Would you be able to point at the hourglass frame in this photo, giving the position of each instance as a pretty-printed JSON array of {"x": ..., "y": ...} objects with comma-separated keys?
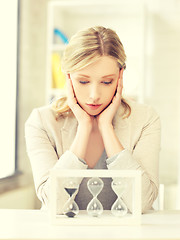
[{"x": 107, "y": 218}]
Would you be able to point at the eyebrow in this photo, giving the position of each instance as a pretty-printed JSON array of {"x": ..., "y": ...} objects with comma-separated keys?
[
  {"x": 83, "y": 75},
  {"x": 106, "y": 76},
  {"x": 109, "y": 75}
]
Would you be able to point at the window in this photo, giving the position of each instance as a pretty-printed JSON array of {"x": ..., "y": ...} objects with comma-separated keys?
[{"x": 8, "y": 86}]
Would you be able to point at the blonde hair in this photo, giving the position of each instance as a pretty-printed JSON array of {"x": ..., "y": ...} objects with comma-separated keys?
[{"x": 84, "y": 48}]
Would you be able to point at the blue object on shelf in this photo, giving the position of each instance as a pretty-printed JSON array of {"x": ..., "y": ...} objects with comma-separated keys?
[{"x": 61, "y": 35}]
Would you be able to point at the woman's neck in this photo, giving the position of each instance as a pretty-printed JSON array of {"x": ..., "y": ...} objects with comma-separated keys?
[{"x": 95, "y": 125}]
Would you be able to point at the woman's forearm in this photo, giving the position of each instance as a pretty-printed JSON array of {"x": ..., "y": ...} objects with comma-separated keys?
[
  {"x": 111, "y": 142},
  {"x": 79, "y": 145}
]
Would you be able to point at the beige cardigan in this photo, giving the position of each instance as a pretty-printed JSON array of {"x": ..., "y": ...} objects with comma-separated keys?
[{"x": 48, "y": 141}]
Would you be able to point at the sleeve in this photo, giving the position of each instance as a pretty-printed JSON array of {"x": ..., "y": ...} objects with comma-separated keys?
[
  {"x": 144, "y": 157},
  {"x": 42, "y": 154}
]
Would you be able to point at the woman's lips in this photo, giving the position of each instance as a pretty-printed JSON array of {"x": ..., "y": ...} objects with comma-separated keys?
[{"x": 93, "y": 106}]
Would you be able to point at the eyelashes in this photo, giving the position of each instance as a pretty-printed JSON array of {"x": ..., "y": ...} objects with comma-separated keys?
[
  {"x": 83, "y": 82},
  {"x": 107, "y": 82},
  {"x": 103, "y": 82}
]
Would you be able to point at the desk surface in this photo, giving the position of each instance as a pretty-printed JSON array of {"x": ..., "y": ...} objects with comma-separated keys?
[{"x": 34, "y": 224}]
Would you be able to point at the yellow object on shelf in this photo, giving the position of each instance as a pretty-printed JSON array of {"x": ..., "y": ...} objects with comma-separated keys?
[{"x": 58, "y": 77}]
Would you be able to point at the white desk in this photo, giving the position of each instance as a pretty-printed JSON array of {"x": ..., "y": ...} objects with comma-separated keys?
[{"x": 34, "y": 224}]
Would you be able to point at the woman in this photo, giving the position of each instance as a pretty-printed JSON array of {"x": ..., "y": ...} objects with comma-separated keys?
[{"x": 94, "y": 126}]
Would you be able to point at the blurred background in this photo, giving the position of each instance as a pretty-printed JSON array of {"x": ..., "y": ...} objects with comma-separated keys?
[{"x": 33, "y": 36}]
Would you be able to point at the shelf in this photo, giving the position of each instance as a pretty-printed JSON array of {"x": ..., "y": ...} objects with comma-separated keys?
[
  {"x": 58, "y": 47},
  {"x": 125, "y": 17}
]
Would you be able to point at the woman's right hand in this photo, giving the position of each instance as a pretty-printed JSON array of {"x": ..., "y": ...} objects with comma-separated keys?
[{"x": 83, "y": 118}]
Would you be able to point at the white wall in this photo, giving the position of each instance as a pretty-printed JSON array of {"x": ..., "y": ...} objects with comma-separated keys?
[{"x": 162, "y": 85}]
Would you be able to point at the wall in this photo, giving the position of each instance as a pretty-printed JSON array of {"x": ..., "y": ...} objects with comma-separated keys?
[
  {"x": 162, "y": 86},
  {"x": 31, "y": 71},
  {"x": 21, "y": 198}
]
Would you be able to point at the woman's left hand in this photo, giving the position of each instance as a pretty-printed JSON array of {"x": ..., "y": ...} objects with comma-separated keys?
[{"x": 104, "y": 119}]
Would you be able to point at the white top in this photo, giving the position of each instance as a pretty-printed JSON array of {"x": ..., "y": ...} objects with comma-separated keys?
[{"x": 49, "y": 139}]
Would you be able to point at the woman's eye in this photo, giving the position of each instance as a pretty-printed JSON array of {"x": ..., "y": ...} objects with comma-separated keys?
[
  {"x": 83, "y": 82},
  {"x": 107, "y": 82}
]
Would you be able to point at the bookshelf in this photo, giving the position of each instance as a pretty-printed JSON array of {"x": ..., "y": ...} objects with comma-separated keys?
[{"x": 125, "y": 17}]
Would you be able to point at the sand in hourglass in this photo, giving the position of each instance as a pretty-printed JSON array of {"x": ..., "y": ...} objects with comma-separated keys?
[{"x": 70, "y": 191}]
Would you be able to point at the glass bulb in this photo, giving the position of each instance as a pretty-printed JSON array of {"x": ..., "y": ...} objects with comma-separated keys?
[
  {"x": 71, "y": 208},
  {"x": 119, "y": 208},
  {"x": 95, "y": 186}
]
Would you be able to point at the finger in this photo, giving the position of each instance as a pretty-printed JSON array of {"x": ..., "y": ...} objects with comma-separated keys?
[
  {"x": 69, "y": 87},
  {"x": 70, "y": 93},
  {"x": 119, "y": 89},
  {"x": 120, "y": 83},
  {"x": 117, "y": 98}
]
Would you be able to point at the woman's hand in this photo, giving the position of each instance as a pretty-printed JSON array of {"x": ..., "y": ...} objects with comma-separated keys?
[
  {"x": 82, "y": 117},
  {"x": 111, "y": 142},
  {"x": 85, "y": 122},
  {"x": 105, "y": 118}
]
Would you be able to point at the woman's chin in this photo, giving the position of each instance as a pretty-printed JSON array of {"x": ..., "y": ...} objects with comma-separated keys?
[{"x": 94, "y": 113}]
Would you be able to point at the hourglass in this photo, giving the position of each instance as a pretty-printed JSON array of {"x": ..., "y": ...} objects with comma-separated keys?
[
  {"x": 95, "y": 186},
  {"x": 119, "y": 208},
  {"x": 71, "y": 208}
]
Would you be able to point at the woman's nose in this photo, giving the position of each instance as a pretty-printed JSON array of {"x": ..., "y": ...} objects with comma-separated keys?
[{"x": 94, "y": 94}]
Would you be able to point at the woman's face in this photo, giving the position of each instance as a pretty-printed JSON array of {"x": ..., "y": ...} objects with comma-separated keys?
[{"x": 95, "y": 85}]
